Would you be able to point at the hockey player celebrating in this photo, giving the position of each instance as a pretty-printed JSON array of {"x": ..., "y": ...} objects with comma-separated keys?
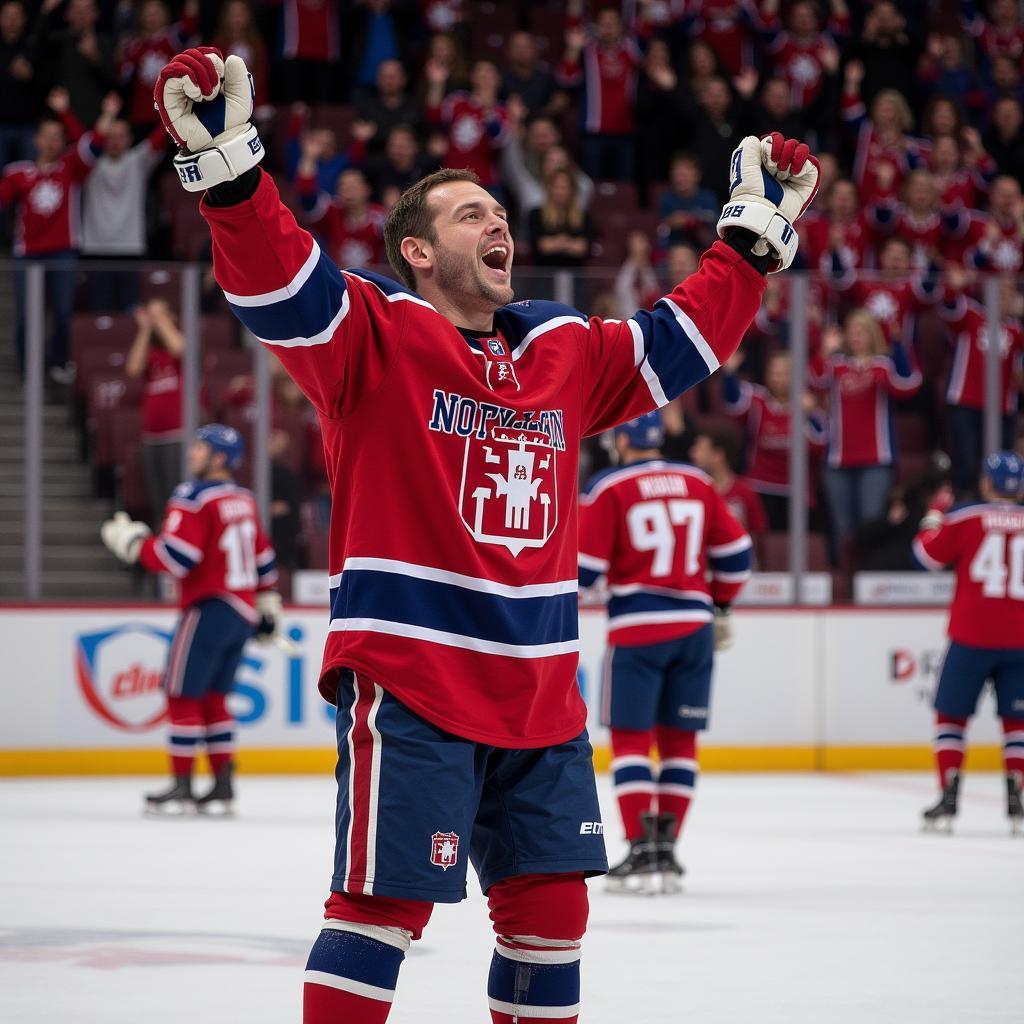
[
  {"x": 212, "y": 543},
  {"x": 451, "y": 420},
  {"x": 658, "y": 530},
  {"x": 983, "y": 542}
]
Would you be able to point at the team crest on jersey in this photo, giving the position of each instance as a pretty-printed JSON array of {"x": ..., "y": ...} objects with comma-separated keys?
[
  {"x": 508, "y": 493},
  {"x": 444, "y": 850},
  {"x": 494, "y": 344},
  {"x": 508, "y": 490}
]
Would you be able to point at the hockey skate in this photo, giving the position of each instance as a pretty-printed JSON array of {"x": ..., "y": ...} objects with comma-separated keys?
[
  {"x": 1014, "y": 804},
  {"x": 176, "y": 800},
  {"x": 638, "y": 873},
  {"x": 219, "y": 800},
  {"x": 940, "y": 817},
  {"x": 668, "y": 867}
]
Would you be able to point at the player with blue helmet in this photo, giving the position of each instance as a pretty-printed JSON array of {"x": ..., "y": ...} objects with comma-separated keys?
[
  {"x": 983, "y": 542},
  {"x": 212, "y": 543}
]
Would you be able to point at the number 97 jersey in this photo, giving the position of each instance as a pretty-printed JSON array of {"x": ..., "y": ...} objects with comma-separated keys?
[
  {"x": 211, "y": 541},
  {"x": 667, "y": 543},
  {"x": 984, "y": 544}
]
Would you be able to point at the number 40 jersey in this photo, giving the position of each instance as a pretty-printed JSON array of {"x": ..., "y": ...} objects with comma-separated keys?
[
  {"x": 668, "y": 545},
  {"x": 211, "y": 541},
  {"x": 984, "y": 544}
]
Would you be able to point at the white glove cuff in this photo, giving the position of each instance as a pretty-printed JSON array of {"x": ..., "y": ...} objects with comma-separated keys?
[
  {"x": 232, "y": 153},
  {"x": 268, "y": 602},
  {"x": 774, "y": 232}
]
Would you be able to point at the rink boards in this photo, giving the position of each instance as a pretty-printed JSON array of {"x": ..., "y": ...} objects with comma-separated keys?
[{"x": 807, "y": 689}]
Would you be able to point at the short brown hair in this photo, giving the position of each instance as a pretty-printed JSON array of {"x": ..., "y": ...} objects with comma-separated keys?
[
  {"x": 722, "y": 439},
  {"x": 411, "y": 217}
]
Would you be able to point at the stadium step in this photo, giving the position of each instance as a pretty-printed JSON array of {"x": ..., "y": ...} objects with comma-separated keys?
[{"x": 73, "y": 585}]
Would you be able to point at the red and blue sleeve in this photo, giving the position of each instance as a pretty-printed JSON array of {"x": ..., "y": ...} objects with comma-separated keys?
[
  {"x": 937, "y": 547},
  {"x": 181, "y": 543},
  {"x": 633, "y": 366},
  {"x": 335, "y": 334},
  {"x": 597, "y": 532},
  {"x": 730, "y": 552},
  {"x": 266, "y": 560}
]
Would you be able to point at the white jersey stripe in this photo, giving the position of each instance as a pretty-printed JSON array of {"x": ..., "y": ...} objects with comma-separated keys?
[
  {"x": 690, "y": 329},
  {"x": 659, "y": 618},
  {"x": 291, "y": 289},
  {"x": 455, "y": 579}
]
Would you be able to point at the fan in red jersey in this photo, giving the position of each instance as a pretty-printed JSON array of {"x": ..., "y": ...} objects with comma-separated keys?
[
  {"x": 859, "y": 375},
  {"x": 984, "y": 544},
  {"x": 45, "y": 194},
  {"x": 965, "y": 394},
  {"x": 212, "y": 543},
  {"x": 675, "y": 558},
  {"x": 452, "y": 419},
  {"x": 763, "y": 410}
]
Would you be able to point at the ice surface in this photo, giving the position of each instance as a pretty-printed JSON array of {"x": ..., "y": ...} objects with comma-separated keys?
[{"x": 808, "y": 899}]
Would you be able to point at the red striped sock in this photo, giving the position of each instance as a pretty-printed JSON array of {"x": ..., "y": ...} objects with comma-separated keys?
[
  {"x": 677, "y": 776},
  {"x": 220, "y": 730},
  {"x": 1013, "y": 747},
  {"x": 184, "y": 733},
  {"x": 632, "y": 777},
  {"x": 351, "y": 974},
  {"x": 949, "y": 745}
]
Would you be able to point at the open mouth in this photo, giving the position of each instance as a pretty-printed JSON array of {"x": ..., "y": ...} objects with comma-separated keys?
[{"x": 496, "y": 259}]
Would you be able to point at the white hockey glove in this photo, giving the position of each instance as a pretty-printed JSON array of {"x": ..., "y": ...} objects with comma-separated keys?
[
  {"x": 723, "y": 629},
  {"x": 123, "y": 536},
  {"x": 268, "y": 605},
  {"x": 773, "y": 182},
  {"x": 205, "y": 103}
]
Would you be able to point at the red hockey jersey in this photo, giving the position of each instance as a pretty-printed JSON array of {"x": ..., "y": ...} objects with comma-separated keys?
[
  {"x": 745, "y": 504},
  {"x": 475, "y": 134},
  {"x": 311, "y": 30},
  {"x": 968, "y": 327},
  {"x": 859, "y": 415},
  {"x": 351, "y": 242},
  {"x": 212, "y": 542},
  {"x": 984, "y": 544},
  {"x": 669, "y": 546},
  {"x": 453, "y": 461},
  {"x": 49, "y": 201},
  {"x": 768, "y": 429},
  {"x": 608, "y": 75}
]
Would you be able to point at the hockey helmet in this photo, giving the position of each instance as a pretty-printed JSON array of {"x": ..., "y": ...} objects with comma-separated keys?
[
  {"x": 225, "y": 440},
  {"x": 644, "y": 432},
  {"x": 1005, "y": 472}
]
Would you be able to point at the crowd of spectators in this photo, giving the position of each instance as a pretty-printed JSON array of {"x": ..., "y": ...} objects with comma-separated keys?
[{"x": 606, "y": 128}]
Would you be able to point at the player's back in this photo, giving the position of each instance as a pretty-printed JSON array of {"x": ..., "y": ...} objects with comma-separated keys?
[
  {"x": 984, "y": 544},
  {"x": 212, "y": 531},
  {"x": 668, "y": 544}
]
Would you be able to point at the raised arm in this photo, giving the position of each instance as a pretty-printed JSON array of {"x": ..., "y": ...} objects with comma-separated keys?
[
  {"x": 644, "y": 362},
  {"x": 333, "y": 333}
]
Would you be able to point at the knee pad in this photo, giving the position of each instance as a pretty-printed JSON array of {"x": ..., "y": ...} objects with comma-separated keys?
[
  {"x": 378, "y": 912},
  {"x": 549, "y": 906}
]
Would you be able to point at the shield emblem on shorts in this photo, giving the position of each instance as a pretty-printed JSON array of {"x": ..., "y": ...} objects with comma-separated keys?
[
  {"x": 508, "y": 491},
  {"x": 444, "y": 849}
]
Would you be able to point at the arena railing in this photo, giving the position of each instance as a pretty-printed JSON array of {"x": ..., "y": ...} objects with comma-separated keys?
[{"x": 187, "y": 287}]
